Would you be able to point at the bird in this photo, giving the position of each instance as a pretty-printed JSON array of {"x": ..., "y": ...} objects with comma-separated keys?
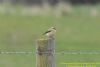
[{"x": 50, "y": 33}]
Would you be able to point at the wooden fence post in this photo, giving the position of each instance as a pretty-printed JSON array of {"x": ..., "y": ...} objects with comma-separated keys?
[{"x": 45, "y": 53}]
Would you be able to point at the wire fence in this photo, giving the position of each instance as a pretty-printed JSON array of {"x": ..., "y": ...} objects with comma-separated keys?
[{"x": 93, "y": 52}]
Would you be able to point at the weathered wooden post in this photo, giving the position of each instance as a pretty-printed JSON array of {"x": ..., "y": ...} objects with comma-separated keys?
[{"x": 45, "y": 53}]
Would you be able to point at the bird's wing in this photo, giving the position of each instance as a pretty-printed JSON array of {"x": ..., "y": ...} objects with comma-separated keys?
[{"x": 47, "y": 32}]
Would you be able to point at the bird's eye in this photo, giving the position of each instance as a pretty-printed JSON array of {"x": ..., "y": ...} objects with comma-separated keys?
[{"x": 54, "y": 28}]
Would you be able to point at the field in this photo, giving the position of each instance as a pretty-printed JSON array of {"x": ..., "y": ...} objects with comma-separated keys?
[{"x": 75, "y": 32}]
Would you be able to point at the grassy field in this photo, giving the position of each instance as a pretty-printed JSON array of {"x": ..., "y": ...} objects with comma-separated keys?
[{"x": 78, "y": 32}]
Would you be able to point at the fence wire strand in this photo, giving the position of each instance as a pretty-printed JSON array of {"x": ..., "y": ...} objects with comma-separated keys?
[{"x": 56, "y": 53}]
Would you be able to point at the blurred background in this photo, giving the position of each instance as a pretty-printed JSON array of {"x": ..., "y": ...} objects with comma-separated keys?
[{"x": 22, "y": 22}]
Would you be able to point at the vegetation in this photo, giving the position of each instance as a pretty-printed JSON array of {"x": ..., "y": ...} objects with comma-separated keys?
[{"x": 74, "y": 32}]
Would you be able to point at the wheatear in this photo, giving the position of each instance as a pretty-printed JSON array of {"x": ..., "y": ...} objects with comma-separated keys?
[{"x": 50, "y": 33}]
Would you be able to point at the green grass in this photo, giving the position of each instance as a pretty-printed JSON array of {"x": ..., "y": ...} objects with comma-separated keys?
[{"x": 18, "y": 33}]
